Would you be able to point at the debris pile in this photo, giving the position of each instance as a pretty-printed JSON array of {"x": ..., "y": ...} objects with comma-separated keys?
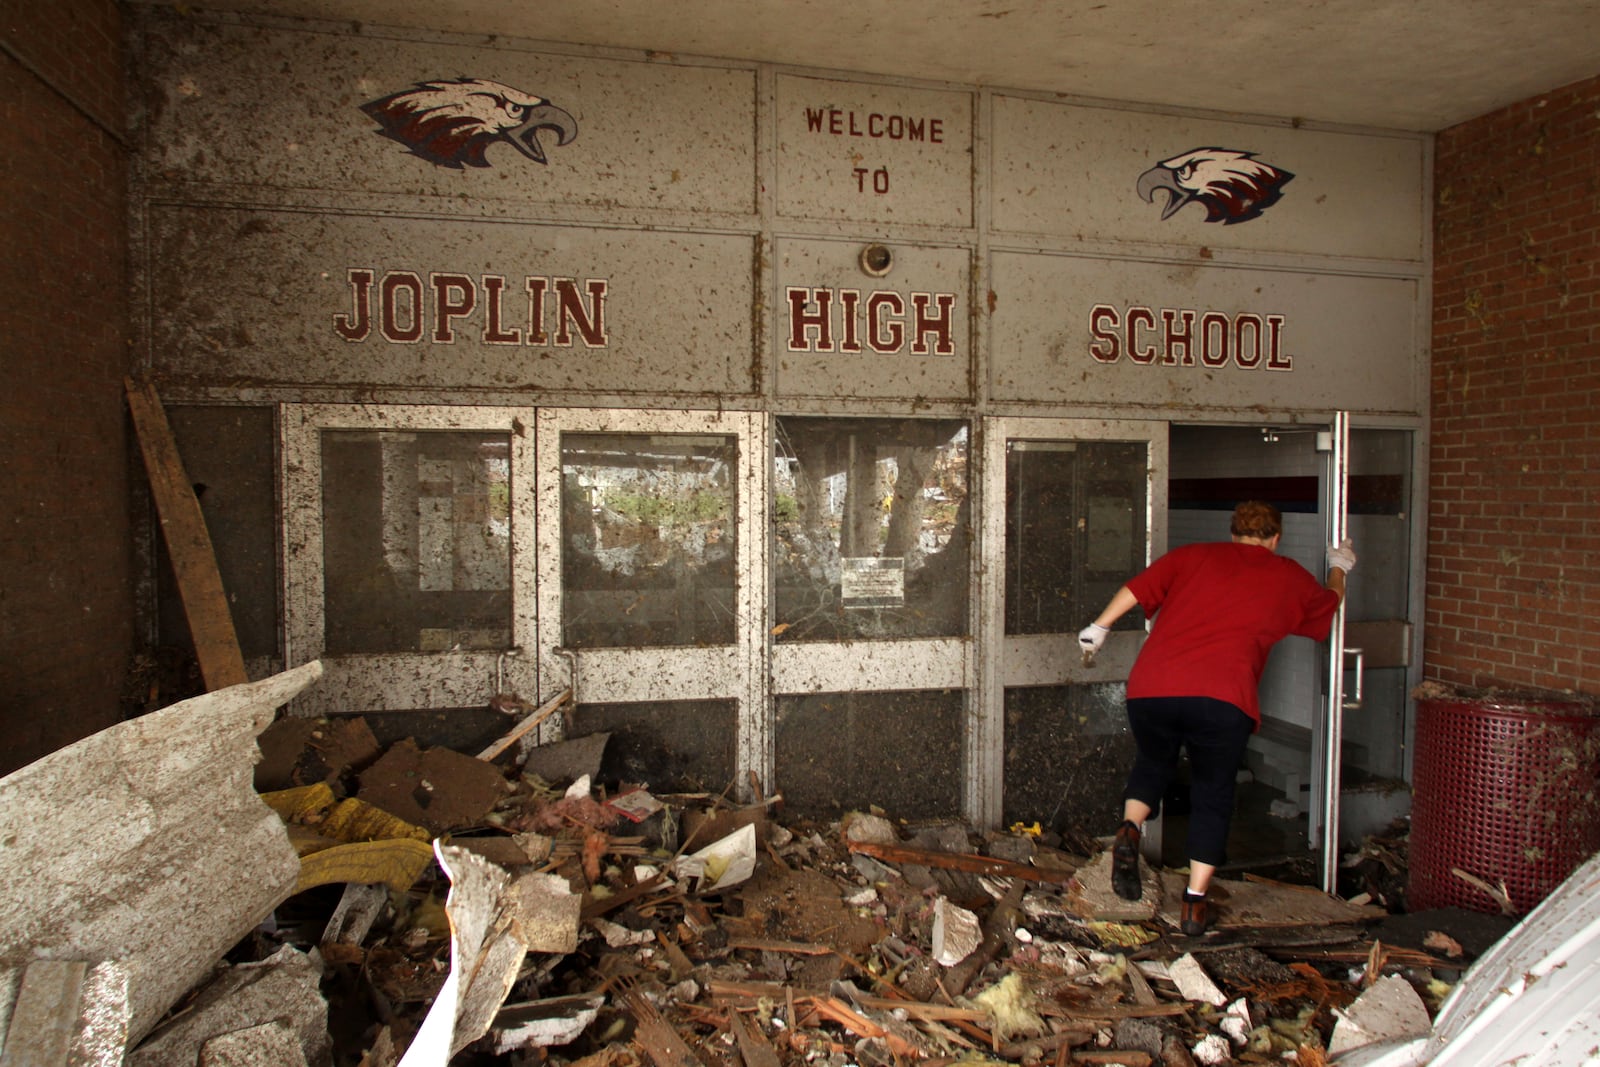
[
  {"x": 686, "y": 929},
  {"x": 506, "y": 907}
]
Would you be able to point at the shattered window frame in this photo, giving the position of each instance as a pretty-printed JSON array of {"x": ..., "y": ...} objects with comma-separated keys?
[{"x": 884, "y": 561}]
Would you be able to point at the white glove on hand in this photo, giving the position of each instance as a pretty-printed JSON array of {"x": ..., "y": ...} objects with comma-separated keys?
[
  {"x": 1342, "y": 555},
  {"x": 1091, "y": 637}
]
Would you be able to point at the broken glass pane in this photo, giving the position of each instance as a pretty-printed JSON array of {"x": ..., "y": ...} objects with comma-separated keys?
[
  {"x": 871, "y": 528},
  {"x": 648, "y": 539},
  {"x": 416, "y": 541}
]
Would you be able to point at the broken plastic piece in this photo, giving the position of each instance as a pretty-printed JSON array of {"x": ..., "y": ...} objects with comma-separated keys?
[
  {"x": 636, "y": 805},
  {"x": 723, "y": 863},
  {"x": 955, "y": 933}
]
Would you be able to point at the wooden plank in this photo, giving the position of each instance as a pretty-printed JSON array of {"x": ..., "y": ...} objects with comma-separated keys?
[
  {"x": 46, "y": 1015},
  {"x": 970, "y": 862},
  {"x": 795, "y": 948},
  {"x": 664, "y": 1045},
  {"x": 183, "y": 526},
  {"x": 754, "y": 1047},
  {"x": 539, "y": 715}
]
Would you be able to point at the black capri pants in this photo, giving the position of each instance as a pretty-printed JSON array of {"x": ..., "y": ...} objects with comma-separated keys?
[{"x": 1215, "y": 734}]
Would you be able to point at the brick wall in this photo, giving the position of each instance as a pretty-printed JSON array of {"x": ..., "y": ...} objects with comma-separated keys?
[
  {"x": 66, "y": 604},
  {"x": 1513, "y": 595}
]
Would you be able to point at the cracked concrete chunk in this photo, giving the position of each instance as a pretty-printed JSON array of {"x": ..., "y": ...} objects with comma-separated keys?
[
  {"x": 1389, "y": 1011},
  {"x": 283, "y": 988},
  {"x": 147, "y": 843}
]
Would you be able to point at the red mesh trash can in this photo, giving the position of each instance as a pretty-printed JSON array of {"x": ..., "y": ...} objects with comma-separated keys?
[{"x": 1504, "y": 790}]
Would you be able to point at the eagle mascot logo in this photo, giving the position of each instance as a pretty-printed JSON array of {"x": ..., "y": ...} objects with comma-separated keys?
[
  {"x": 1233, "y": 186},
  {"x": 453, "y": 123}
]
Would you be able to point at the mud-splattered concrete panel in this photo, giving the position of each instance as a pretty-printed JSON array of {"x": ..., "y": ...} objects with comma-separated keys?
[
  {"x": 1109, "y": 175},
  {"x": 872, "y": 320},
  {"x": 874, "y": 153},
  {"x": 1072, "y": 329},
  {"x": 464, "y": 124},
  {"x": 278, "y": 297}
]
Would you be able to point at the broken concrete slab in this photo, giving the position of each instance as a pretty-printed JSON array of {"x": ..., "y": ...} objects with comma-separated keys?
[
  {"x": 45, "y": 1016},
  {"x": 547, "y": 912},
  {"x": 284, "y": 988},
  {"x": 544, "y": 1023},
  {"x": 68, "y": 1012},
  {"x": 1194, "y": 983},
  {"x": 956, "y": 932},
  {"x": 270, "y": 1044},
  {"x": 1091, "y": 896},
  {"x": 1391, "y": 1010},
  {"x": 163, "y": 865}
]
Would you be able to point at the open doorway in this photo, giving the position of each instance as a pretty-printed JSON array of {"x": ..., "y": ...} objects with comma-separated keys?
[{"x": 1212, "y": 469}]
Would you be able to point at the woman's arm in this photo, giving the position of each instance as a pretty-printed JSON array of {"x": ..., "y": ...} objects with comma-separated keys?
[{"x": 1123, "y": 601}]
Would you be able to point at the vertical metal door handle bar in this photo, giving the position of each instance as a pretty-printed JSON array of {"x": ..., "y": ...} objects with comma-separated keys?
[
  {"x": 1352, "y": 703},
  {"x": 1337, "y": 494}
]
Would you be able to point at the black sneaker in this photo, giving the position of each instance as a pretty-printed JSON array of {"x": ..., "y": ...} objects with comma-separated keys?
[
  {"x": 1125, "y": 880},
  {"x": 1192, "y": 919}
]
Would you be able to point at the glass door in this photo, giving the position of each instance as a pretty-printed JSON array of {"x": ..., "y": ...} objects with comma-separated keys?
[
  {"x": 1084, "y": 511},
  {"x": 404, "y": 527},
  {"x": 872, "y": 661},
  {"x": 1363, "y": 750},
  {"x": 650, "y": 607}
]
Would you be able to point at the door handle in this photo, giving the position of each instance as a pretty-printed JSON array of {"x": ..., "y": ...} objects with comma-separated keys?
[
  {"x": 500, "y": 668},
  {"x": 1361, "y": 662}
]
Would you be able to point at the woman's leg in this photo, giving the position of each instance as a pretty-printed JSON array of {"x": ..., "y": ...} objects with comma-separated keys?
[
  {"x": 1158, "y": 736},
  {"x": 1217, "y": 737},
  {"x": 1158, "y": 728}
]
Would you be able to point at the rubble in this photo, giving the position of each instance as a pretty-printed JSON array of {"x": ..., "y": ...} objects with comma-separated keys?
[{"x": 467, "y": 909}]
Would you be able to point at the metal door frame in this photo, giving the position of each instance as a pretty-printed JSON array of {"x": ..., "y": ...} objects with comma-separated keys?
[
  {"x": 625, "y": 675},
  {"x": 1327, "y": 754},
  {"x": 1046, "y": 658},
  {"x": 404, "y": 680}
]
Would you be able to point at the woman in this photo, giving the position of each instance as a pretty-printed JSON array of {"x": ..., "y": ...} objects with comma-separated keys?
[{"x": 1218, "y": 609}]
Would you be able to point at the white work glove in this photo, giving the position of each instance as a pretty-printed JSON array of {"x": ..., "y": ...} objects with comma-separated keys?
[
  {"x": 1342, "y": 555},
  {"x": 1091, "y": 637}
]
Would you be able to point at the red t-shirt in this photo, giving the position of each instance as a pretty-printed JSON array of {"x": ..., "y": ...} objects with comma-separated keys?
[{"x": 1219, "y": 608}]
